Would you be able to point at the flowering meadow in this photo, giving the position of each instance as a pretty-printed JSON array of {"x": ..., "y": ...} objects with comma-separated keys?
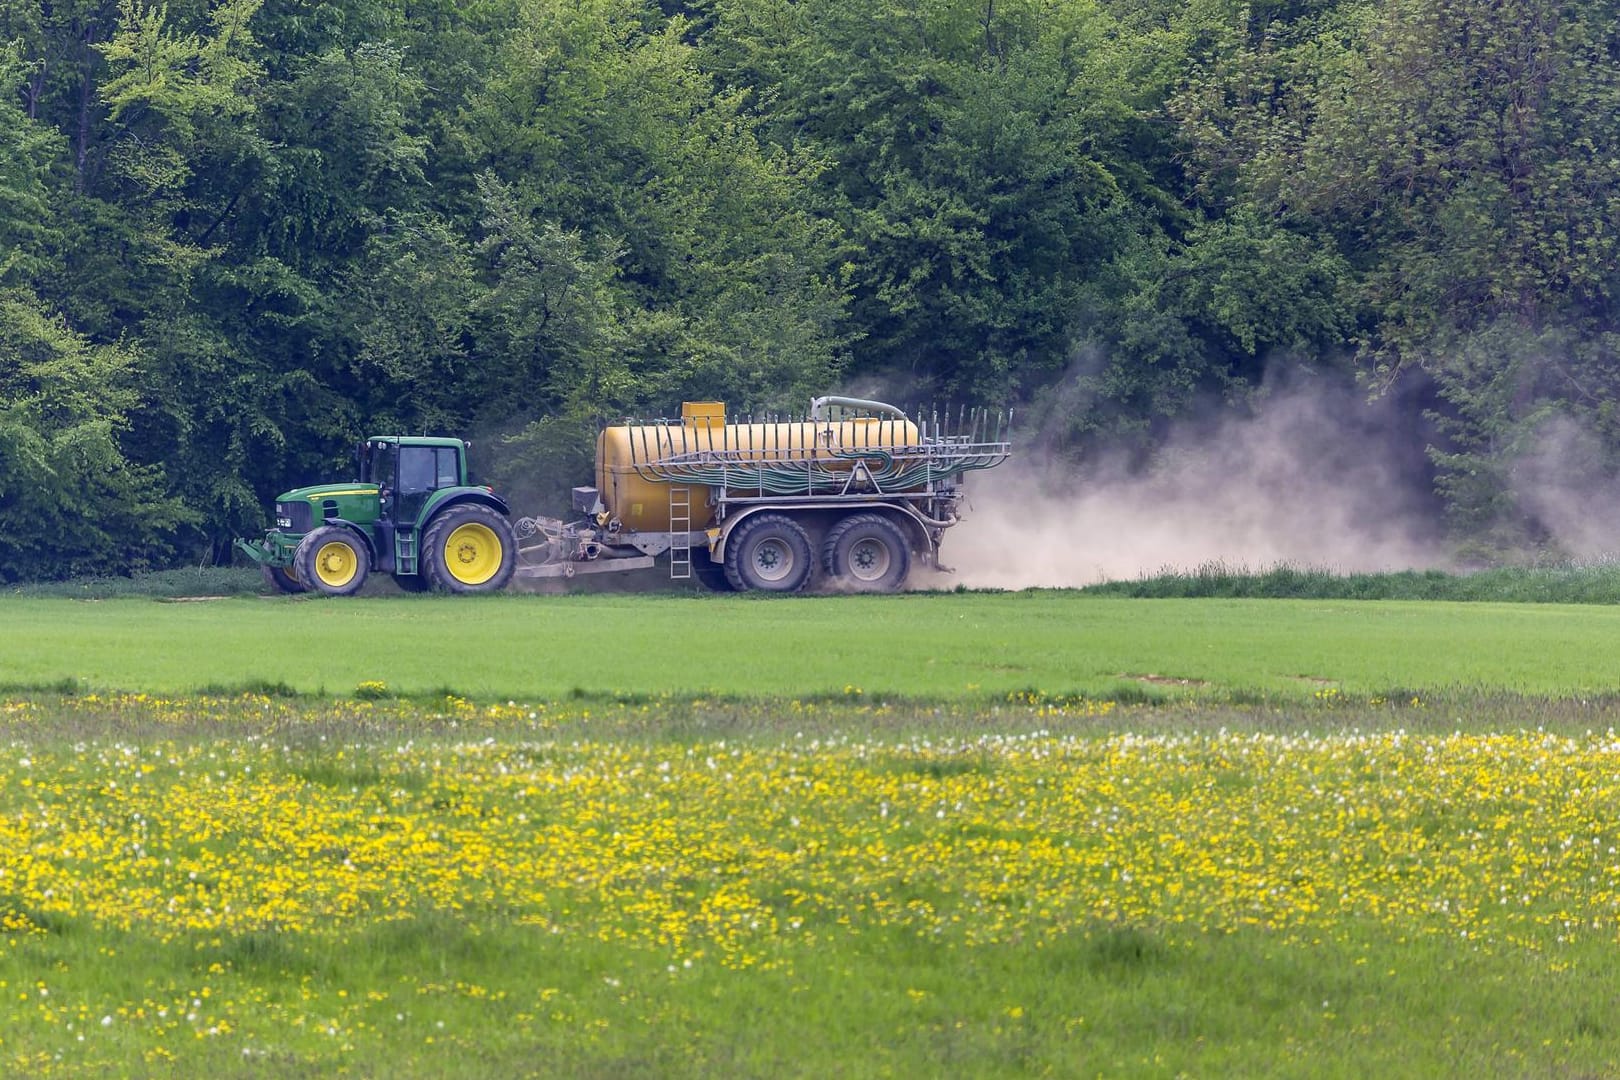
[{"x": 257, "y": 886}]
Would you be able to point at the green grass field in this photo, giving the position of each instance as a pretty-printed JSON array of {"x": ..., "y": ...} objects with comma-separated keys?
[
  {"x": 924, "y": 646},
  {"x": 924, "y": 835}
]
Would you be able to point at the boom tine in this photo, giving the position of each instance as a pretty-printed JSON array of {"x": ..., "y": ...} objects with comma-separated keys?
[{"x": 752, "y": 464}]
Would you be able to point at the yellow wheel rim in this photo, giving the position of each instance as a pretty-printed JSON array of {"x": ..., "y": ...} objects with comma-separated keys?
[
  {"x": 472, "y": 554},
  {"x": 335, "y": 564}
]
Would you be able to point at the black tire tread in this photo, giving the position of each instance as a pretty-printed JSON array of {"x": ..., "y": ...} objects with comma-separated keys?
[
  {"x": 738, "y": 545},
  {"x": 836, "y": 536},
  {"x": 710, "y": 574},
  {"x": 282, "y": 579},
  {"x": 319, "y": 537}
]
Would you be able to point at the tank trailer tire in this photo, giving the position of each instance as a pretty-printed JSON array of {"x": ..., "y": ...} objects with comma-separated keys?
[
  {"x": 710, "y": 574},
  {"x": 281, "y": 579},
  {"x": 469, "y": 549},
  {"x": 866, "y": 553},
  {"x": 332, "y": 561},
  {"x": 770, "y": 553}
]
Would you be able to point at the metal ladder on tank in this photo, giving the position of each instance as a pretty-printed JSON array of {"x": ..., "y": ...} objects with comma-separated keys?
[{"x": 680, "y": 532}]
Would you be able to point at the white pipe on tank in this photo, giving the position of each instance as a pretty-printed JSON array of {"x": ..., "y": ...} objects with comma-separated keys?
[{"x": 817, "y": 404}]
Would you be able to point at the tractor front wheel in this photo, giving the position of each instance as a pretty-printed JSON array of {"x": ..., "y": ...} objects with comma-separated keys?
[
  {"x": 469, "y": 549},
  {"x": 281, "y": 579},
  {"x": 332, "y": 561}
]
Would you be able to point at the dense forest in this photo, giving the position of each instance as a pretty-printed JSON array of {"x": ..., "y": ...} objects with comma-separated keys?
[{"x": 235, "y": 236}]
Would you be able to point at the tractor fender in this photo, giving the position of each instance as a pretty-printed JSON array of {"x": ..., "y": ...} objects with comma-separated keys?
[
  {"x": 445, "y": 498},
  {"x": 360, "y": 531}
]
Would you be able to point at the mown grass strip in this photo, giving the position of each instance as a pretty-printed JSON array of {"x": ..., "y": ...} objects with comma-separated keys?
[
  {"x": 973, "y": 646},
  {"x": 1589, "y": 582}
]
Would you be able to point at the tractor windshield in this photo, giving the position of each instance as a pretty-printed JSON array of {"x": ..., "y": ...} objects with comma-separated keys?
[{"x": 379, "y": 464}]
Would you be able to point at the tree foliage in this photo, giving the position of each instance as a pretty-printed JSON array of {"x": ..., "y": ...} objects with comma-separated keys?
[
  {"x": 70, "y": 501},
  {"x": 1462, "y": 157}
]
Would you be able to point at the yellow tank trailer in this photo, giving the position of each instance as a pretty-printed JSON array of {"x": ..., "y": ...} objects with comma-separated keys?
[
  {"x": 632, "y": 459},
  {"x": 848, "y": 496}
]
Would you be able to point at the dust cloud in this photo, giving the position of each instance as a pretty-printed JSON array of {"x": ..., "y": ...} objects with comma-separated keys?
[
  {"x": 1563, "y": 483},
  {"x": 1314, "y": 478}
]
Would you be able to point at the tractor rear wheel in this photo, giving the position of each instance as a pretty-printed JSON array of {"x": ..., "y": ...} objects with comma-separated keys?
[
  {"x": 769, "y": 552},
  {"x": 281, "y": 579},
  {"x": 469, "y": 549},
  {"x": 867, "y": 553},
  {"x": 332, "y": 561}
]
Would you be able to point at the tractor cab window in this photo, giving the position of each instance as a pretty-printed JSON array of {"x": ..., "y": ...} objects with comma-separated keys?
[
  {"x": 428, "y": 468},
  {"x": 417, "y": 473},
  {"x": 424, "y": 470},
  {"x": 449, "y": 473}
]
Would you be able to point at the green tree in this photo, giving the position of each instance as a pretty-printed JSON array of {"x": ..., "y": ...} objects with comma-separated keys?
[
  {"x": 70, "y": 501},
  {"x": 982, "y": 157},
  {"x": 28, "y": 232},
  {"x": 602, "y": 122}
]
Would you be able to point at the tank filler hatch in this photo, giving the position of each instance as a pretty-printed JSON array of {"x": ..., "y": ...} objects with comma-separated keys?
[{"x": 704, "y": 414}]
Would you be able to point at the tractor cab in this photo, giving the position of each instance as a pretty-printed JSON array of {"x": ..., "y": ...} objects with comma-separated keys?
[{"x": 406, "y": 472}]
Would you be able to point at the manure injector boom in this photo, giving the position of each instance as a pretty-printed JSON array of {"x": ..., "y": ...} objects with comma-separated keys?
[{"x": 850, "y": 497}]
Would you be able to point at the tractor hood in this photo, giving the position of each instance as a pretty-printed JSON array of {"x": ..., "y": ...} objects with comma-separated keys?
[
  {"x": 301, "y": 509},
  {"x": 321, "y": 492}
]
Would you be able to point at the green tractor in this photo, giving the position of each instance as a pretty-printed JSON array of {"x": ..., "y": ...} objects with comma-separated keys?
[{"x": 411, "y": 514}]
